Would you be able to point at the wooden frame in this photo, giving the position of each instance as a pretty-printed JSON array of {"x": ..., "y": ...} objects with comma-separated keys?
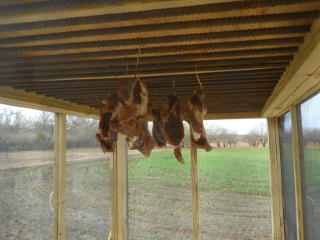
[
  {"x": 59, "y": 196},
  {"x": 299, "y": 81},
  {"x": 20, "y": 98},
  {"x": 119, "y": 191},
  {"x": 195, "y": 191},
  {"x": 275, "y": 180},
  {"x": 297, "y": 173}
]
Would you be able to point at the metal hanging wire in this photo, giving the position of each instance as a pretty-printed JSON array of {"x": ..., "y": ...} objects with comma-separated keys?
[
  {"x": 173, "y": 86},
  {"x": 135, "y": 72},
  {"x": 198, "y": 78},
  {"x": 125, "y": 75}
]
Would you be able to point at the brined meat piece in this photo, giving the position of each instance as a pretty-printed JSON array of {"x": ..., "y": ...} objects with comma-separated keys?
[
  {"x": 194, "y": 114},
  {"x": 173, "y": 127},
  {"x": 157, "y": 127},
  {"x": 135, "y": 97},
  {"x": 106, "y": 137},
  {"x": 143, "y": 141}
]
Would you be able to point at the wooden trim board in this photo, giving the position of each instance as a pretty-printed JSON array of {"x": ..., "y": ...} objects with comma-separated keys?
[
  {"x": 301, "y": 76},
  {"x": 297, "y": 174},
  {"x": 195, "y": 191},
  {"x": 275, "y": 180},
  {"x": 59, "y": 196},
  {"x": 20, "y": 98},
  {"x": 119, "y": 191}
]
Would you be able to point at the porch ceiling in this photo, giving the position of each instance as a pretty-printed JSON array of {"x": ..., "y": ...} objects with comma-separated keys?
[{"x": 77, "y": 50}]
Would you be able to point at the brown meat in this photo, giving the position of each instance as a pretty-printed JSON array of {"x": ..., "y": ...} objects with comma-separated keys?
[
  {"x": 106, "y": 137},
  {"x": 135, "y": 96},
  {"x": 143, "y": 142},
  {"x": 173, "y": 127},
  {"x": 130, "y": 116},
  {"x": 157, "y": 128},
  {"x": 194, "y": 114}
]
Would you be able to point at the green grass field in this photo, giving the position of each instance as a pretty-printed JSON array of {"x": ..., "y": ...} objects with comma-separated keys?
[{"x": 224, "y": 170}]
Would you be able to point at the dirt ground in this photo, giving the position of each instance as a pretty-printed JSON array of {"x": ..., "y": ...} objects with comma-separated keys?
[{"x": 155, "y": 212}]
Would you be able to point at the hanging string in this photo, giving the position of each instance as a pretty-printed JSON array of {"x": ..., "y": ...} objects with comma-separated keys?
[
  {"x": 198, "y": 78},
  {"x": 173, "y": 87},
  {"x": 125, "y": 75},
  {"x": 135, "y": 72},
  {"x": 115, "y": 78}
]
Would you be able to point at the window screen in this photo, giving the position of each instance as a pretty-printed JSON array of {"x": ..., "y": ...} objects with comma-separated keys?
[
  {"x": 287, "y": 173},
  {"x": 309, "y": 140}
]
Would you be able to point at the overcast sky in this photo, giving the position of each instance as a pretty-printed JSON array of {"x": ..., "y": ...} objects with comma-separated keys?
[{"x": 241, "y": 126}]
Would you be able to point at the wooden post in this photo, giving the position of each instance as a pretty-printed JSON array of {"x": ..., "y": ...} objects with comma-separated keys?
[
  {"x": 297, "y": 173},
  {"x": 113, "y": 194},
  {"x": 195, "y": 191},
  {"x": 119, "y": 191},
  {"x": 59, "y": 197},
  {"x": 275, "y": 180}
]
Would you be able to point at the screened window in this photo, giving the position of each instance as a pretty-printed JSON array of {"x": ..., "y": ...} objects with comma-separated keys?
[
  {"x": 287, "y": 173},
  {"x": 309, "y": 124}
]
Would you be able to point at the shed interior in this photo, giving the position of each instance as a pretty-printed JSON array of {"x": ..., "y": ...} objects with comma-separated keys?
[{"x": 254, "y": 59}]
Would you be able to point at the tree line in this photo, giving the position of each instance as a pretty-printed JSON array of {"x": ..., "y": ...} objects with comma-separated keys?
[
  {"x": 223, "y": 137},
  {"x": 19, "y": 132}
]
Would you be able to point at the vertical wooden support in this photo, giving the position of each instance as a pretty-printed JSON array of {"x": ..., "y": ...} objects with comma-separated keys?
[
  {"x": 275, "y": 180},
  {"x": 119, "y": 191},
  {"x": 195, "y": 191},
  {"x": 297, "y": 173},
  {"x": 113, "y": 194},
  {"x": 59, "y": 197}
]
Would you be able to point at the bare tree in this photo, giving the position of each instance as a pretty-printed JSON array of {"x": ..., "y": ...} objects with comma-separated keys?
[
  {"x": 257, "y": 135},
  {"x": 10, "y": 125},
  {"x": 214, "y": 134},
  {"x": 232, "y": 138}
]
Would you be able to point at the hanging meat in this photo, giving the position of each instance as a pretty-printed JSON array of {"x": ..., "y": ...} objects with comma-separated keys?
[
  {"x": 106, "y": 137},
  {"x": 194, "y": 114},
  {"x": 173, "y": 127},
  {"x": 130, "y": 116},
  {"x": 157, "y": 127}
]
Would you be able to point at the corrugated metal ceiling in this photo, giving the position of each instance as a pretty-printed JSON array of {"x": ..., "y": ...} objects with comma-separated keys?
[{"x": 238, "y": 49}]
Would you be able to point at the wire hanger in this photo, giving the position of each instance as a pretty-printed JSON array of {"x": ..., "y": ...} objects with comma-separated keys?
[
  {"x": 135, "y": 72},
  {"x": 125, "y": 75},
  {"x": 173, "y": 86},
  {"x": 198, "y": 78}
]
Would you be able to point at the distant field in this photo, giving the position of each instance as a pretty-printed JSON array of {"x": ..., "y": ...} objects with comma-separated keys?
[{"x": 223, "y": 170}]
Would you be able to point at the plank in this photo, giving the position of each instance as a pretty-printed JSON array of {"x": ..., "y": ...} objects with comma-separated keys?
[
  {"x": 195, "y": 191},
  {"x": 275, "y": 180},
  {"x": 300, "y": 76},
  {"x": 119, "y": 191},
  {"x": 297, "y": 173},
  {"x": 113, "y": 197},
  {"x": 127, "y": 6},
  {"x": 20, "y": 98},
  {"x": 59, "y": 197},
  {"x": 257, "y": 9},
  {"x": 122, "y": 187}
]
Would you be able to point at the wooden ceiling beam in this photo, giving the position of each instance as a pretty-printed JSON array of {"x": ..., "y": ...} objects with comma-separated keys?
[
  {"x": 110, "y": 34},
  {"x": 124, "y": 61},
  {"x": 100, "y": 9},
  {"x": 150, "y": 73},
  {"x": 80, "y": 85},
  {"x": 302, "y": 75},
  {"x": 31, "y": 100},
  {"x": 196, "y": 13},
  {"x": 62, "y": 49}
]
